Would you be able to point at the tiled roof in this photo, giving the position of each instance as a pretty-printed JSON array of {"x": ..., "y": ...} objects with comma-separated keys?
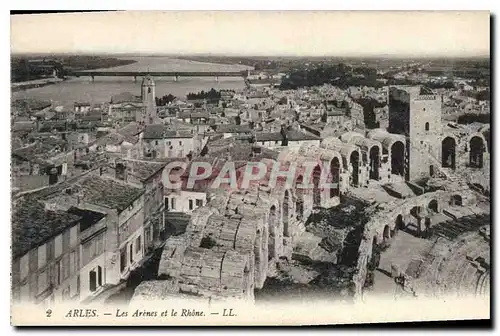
[
  {"x": 161, "y": 131},
  {"x": 294, "y": 135},
  {"x": 231, "y": 128},
  {"x": 109, "y": 193},
  {"x": 143, "y": 170},
  {"x": 32, "y": 225},
  {"x": 268, "y": 136},
  {"x": 124, "y": 97}
]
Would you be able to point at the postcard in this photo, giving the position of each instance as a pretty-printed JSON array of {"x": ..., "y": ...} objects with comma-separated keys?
[{"x": 250, "y": 168}]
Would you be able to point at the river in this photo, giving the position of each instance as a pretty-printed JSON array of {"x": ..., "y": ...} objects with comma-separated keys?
[{"x": 102, "y": 88}]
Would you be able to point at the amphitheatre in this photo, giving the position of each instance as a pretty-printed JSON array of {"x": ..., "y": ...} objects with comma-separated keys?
[{"x": 407, "y": 214}]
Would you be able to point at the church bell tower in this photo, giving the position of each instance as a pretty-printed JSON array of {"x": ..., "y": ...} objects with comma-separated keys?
[{"x": 148, "y": 99}]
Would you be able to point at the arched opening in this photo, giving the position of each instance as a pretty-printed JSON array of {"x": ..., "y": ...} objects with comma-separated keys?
[
  {"x": 456, "y": 200},
  {"x": 398, "y": 158},
  {"x": 316, "y": 176},
  {"x": 426, "y": 126},
  {"x": 374, "y": 162},
  {"x": 354, "y": 160},
  {"x": 476, "y": 152},
  {"x": 448, "y": 148},
  {"x": 299, "y": 203},
  {"x": 433, "y": 206},
  {"x": 272, "y": 232},
  {"x": 387, "y": 234},
  {"x": 286, "y": 208},
  {"x": 399, "y": 223},
  {"x": 335, "y": 171}
]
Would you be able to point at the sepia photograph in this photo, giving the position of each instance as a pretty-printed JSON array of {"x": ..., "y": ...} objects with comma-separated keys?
[{"x": 249, "y": 167}]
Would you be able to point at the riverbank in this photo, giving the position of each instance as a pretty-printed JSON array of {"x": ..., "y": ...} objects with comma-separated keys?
[{"x": 37, "y": 83}]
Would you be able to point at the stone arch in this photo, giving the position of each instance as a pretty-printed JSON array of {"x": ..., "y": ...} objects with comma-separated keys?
[
  {"x": 335, "y": 172},
  {"x": 399, "y": 223},
  {"x": 286, "y": 213},
  {"x": 316, "y": 178},
  {"x": 476, "y": 150},
  {"x": 354, "y": 161},
  {"x": 433, "y": 206},
  {"x": 398, "y": 158},
  {"x": 456, "y": 200},
  {"x": 374, "y": 162},
  {"x": 448, "y": 152},
  {"x": 386, "y": 234},
  {"x": 299, "y": 198}
]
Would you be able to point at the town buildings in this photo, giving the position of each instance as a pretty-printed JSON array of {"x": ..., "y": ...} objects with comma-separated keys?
[{"x": 91, "y": 201}]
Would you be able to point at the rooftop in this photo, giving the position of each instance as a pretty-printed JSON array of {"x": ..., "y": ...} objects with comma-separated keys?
[
  {"x": 109, "y": 193},
  {"x": 32, "y": 225},
  {"x": 144, "y": 170},
  {"x": 88, "y": 217}
]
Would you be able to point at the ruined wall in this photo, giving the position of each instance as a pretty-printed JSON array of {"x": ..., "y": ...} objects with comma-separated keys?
[{"x": 386, "y": 215}]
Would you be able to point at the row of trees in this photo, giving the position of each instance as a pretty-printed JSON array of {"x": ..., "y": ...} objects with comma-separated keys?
[
  {"x": 165, "y": 100},
  {"x": 212, "y": 95}
]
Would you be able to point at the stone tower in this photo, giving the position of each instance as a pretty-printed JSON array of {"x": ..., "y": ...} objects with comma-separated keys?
[
  {"x": 416, "y": 113},
  {"x": 148, "y": 99}
]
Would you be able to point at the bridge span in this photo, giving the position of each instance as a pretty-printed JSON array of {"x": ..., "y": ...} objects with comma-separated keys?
[{"x": 174, "y": 74}]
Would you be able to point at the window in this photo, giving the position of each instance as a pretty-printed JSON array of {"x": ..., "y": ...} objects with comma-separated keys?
[
  {"x": 42, "y": 282},
  {"x": 173, "y": 203},
  {"x": 199, "y": 203},
  {"x": 138, "y": 244},
  {"x": 123, "y": 259},
  {"x": 99, "y": 275},
  {"x": 166, "y": 203},
  {"x": 156, "y": 142},
  {"x": 58, "y": 271},
  {"x": 92, "y": 281},
  {"x": 426, "y": 126},
  {"x": 149, "y": 90},
  {"x": 180, "y": 143},
  {"x": 190, "y": 204},
  {"x": 148, "y": 235},
  {"x": 95, "y": 278},
  {"x": 131, "y": 254}
]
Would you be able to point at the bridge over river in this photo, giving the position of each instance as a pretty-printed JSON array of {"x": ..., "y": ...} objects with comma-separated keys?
[{"x": 174, "y": 74}]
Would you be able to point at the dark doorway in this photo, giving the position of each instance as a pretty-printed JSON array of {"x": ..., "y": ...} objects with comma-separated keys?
[
  {"x": 374, "y": 162},
  {"x": 398, "y": 158},
  {"x": 448, "y": 149},
  {"x": 335, "y": 171},
  {"x": 354, "y": 159},
  {"x": 476, "y": 152},
  {"x": 316, "y": 190}
]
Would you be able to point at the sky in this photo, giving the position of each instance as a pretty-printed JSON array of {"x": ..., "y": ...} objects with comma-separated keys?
[{"x": 286, "y": 33}]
